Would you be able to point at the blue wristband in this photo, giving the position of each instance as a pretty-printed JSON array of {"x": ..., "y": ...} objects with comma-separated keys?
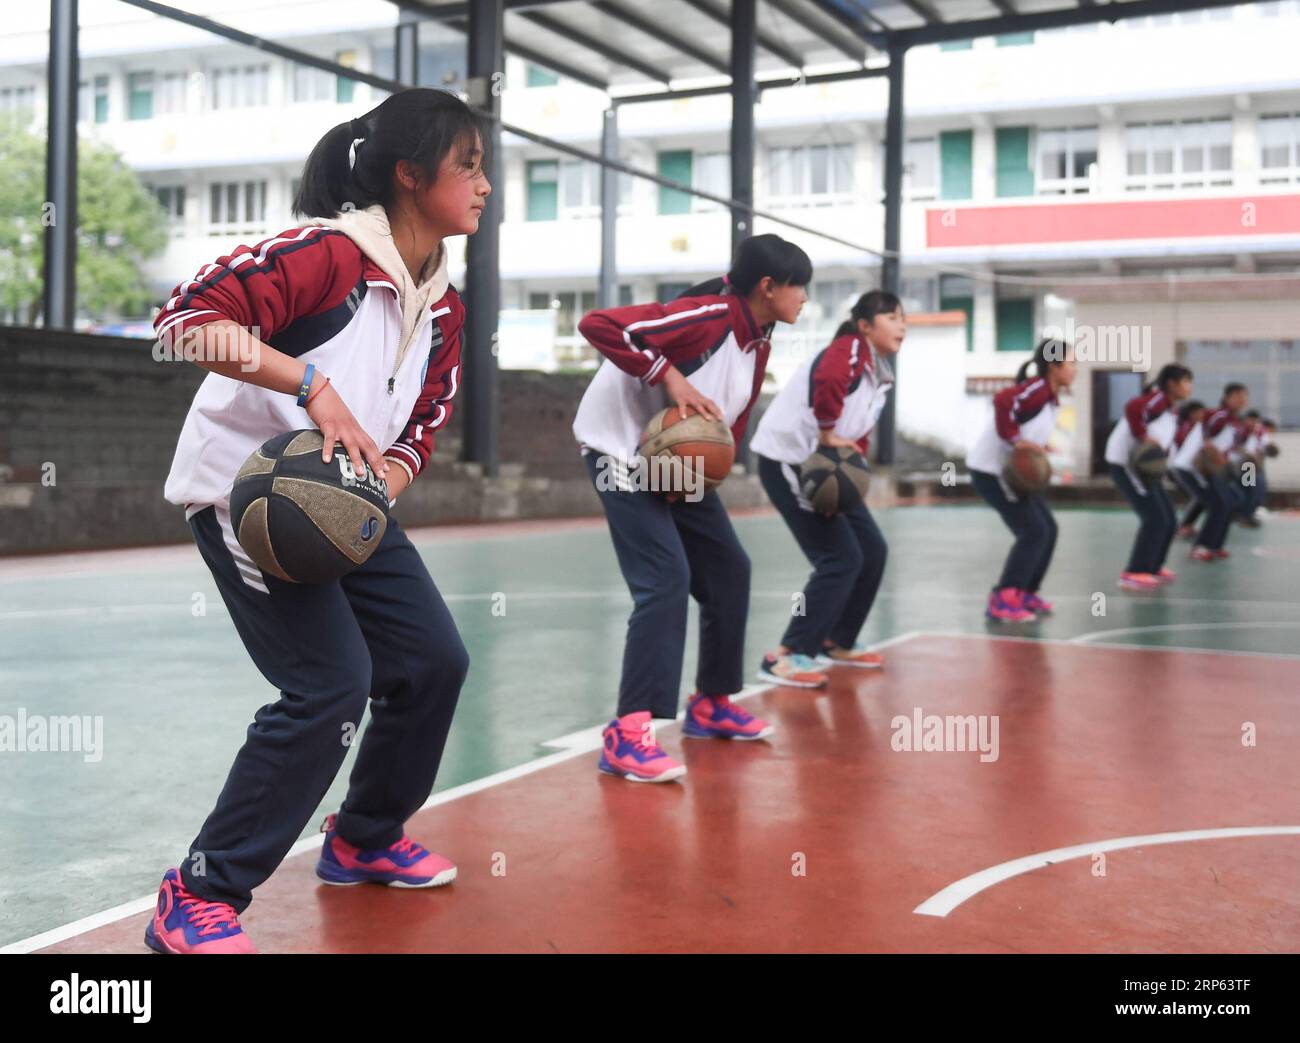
[{"x": 306, "y": 383}]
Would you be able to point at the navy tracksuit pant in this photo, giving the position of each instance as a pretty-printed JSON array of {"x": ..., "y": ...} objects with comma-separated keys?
[
  {"x": 1157, "y": 522},
  {"x": 380, "y": 636},
  {"x": 669, "y": 552},
  {"x": 1033, "y": 525},
  {"x": 847, "y": 553}
]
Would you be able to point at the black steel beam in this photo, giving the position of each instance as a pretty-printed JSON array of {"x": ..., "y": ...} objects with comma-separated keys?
[
  {"x": 583, "y": 39},
  {"x": 766, "y": 41},
  {"x": 744, "y": 27},
  {"x": 767, "y": 83},
  {"x": 653, "y": 30},
  {"x": 890, "y": 269},
  {"x": 539, "y": 58},
  {"x": 1020, "y": 23},
  {"x": 406, "y": 46},
  {"x": 59, "y": 292},
  {"x": 484, "y": 62},
  {"x": 846, "y": 45},
  {"x": 878, "y": 38}
]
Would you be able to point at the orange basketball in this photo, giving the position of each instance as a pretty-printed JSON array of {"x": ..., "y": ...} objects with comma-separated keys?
[
  {"x": 1027, "y": 469},
  {"x": 1210, "y": 461},
  {"x": 703, "y": 446}
]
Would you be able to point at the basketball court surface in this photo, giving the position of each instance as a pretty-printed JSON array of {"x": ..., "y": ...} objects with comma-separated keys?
[{"x": 1125, "y": 775}]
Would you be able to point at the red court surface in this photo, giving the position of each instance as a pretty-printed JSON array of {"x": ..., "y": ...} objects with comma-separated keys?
[{"x": 1093, "y": 744}]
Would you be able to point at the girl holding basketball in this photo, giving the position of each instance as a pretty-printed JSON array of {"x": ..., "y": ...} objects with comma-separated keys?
[
  {"x": 705, "y": 352},
  {"x": 1221, "y": 430},
  {"x": 1149, "y": 417},
  {"x": 1023, "y": 414},
  {"x": 833, "y": 400},
  {"x": 346, "y": 323}
]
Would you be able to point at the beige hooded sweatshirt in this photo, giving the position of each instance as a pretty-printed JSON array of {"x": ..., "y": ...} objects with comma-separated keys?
[{"x": 370, "y": 230}]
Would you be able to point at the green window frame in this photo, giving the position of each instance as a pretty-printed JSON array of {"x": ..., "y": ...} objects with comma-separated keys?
[
  {"x": 543, "y": 177},
  {"x": 1015, "y": 325},
  {"x": 955, "y": 164},
  {"x": 1015, "y": 168},
  {"x": 675, "y": 164}
]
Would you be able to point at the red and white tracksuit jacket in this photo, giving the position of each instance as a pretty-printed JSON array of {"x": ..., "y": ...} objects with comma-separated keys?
[
  {"x": 844, "y": 388},
  {"x": 713, "y": 341},
  {"x": 1024, "y": 411},
  {"x": 391, "y": 349},
  {"x": 1146, "y": 416}
]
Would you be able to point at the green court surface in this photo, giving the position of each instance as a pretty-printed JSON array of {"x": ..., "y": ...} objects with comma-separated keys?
[{"x": 543, "y": 612}]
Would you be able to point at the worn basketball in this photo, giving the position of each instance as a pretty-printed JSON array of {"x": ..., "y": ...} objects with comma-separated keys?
[
  {"x": 1148, "y": 459},
  {"x": 1027, "y": 469},
  {"x": 1209, "y": 461},
  {"x": 701, "y": 444},
  {"x": 834, "y": 479},
  {"x": 302, "y": 519}
]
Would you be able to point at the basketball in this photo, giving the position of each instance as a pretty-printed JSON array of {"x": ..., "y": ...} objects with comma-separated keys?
[
  {"x": 1149, "y": 460},
  {"x": 1210, "y": 461},
  {"x": 1027, "y": 469},
  {"x": 834, "y": 479},
  {"x": 302, "y": 519},
  {"x": 695, "y": 441}
]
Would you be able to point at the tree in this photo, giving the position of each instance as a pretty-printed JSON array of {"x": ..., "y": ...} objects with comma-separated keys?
[{"x": 120, "y": 225}]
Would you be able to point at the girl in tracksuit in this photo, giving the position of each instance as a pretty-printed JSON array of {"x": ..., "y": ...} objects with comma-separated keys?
[
  {"x": 1151, "y": 416},
  {"x": 1222, "y": 428},
  {"x": 346, "y": 323},
  {"x": 832, "y": 400},
  {"x": 704, "y": 352},
  {"x": 1024, "y": 412},
  {"x": 1182, "y": 464}
]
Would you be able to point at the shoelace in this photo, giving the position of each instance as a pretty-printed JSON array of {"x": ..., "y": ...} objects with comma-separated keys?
[
  {"x": 208, "y": 917},
  {"x": 406, "y": 846},
  {"x": 800, "y": 661}
]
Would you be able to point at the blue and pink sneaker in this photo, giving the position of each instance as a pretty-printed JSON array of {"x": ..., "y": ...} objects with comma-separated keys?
[
  {"x": 1007, "y": 605},
  {"x": 1033, "y": 603},
  {"x": 717, "y": 717},
  {"x": 632, "y": 752},
  {"x": 404, "y": 864},
  {"x": 185, "y": 923}
]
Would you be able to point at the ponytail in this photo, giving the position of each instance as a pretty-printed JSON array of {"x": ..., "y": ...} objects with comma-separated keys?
[
  {"x": 1186, "y": 410},
  {"x": 1050, "y": 352},
  {"x": 352, "y": 166},
  {"x": 758, "y": 257},
  {"x": 1168, "y": 375},
  {"x": 867, "y": 307}
]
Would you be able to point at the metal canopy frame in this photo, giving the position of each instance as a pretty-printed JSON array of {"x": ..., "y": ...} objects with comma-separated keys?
[{"x": 856, "y": 30}]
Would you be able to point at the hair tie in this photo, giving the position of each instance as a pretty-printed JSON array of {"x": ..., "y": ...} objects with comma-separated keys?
[{"x": 358, "y": 129}]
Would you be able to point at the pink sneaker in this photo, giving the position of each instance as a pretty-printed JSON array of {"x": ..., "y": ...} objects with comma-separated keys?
[
  {"x": 404, "y": 864},
  {"x": 1038, "y": 606},
  {"x": 1201, "y": 554},
  {"x": 1221, "y": 554},
  {"x": 1166, "y": 575},
  {"x": 717, "y": 717},
  {"x": 632, "y": 752},
  {"x": 1138, "y": 580},
  {"x": 185, "y": 923},
  {"x": 1008, "y": 606}
]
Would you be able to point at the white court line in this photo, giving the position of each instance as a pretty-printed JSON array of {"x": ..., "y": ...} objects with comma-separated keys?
[
  {"x": 1089, "y": 638},
  {"x": 574, "y": 746},
  {"x": 945, "y": 901},
  {"x": 1118, "y": 646}
]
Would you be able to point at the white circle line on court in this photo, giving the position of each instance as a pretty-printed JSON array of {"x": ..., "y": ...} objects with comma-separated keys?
[
  {"x": 945, "y": 901},
  {"x": 1084, "y": 639}
]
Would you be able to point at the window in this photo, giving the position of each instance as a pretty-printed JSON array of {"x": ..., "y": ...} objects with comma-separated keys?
[
  {"x": 172, "y": 200},
  {"x": 957, "y": 293},
  {"x": 811, "y": 175},
  {"x": 1269, "y": 368},
  {"x": 579, "y": 188},
  {"x": 1015, "y": 325},
  {"x": 344, "y": 88},
  {"x": 955, "y": 164},
  {"x": 1015, "y": 39},
  {"x": 1067, "y": 160},
  {"x": 236, "y": 203},
  {"x": 677, "y": 166},
  {"x": 1015, "y": 174},
  {"x": 311, "y": 85},
  {"x": 1279, "y": 149},
  {"x": 139, "y": 95},
  {"x": 543, "y": 190},
  {"x": 1171, "y": 154},
  {"x": 170, "y": 93},
  {"x": 239, "y": 86},
  {"x": 711, "y": 173},
  {"x": 92, "y": 100},
  {"x": 539, "y": 77},
  {"x": 17, "y": 104},
  {"x": 569, "y": 306},
  {"x": 920, "y": 170}
]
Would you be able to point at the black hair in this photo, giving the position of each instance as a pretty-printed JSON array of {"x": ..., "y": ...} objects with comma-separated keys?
[
  {"x": 1269, "y": 423},
  {"x": 1229, "y": 389},
  {"x": 1168, "y": 374},
  {"x": 1252, "y": 414},
  {"x": 1188, "y": 408},
  {"x": 756, "y": 257},
  {"x": 1050, "y": 352},
  {"x": 867, "y": 307},
  {"x": 421, "y": 125}
]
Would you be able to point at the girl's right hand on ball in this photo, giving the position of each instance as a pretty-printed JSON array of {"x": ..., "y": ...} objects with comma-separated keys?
[
  {"x": 337, "y": 424},
  {"x": 689, "y": 398}
]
